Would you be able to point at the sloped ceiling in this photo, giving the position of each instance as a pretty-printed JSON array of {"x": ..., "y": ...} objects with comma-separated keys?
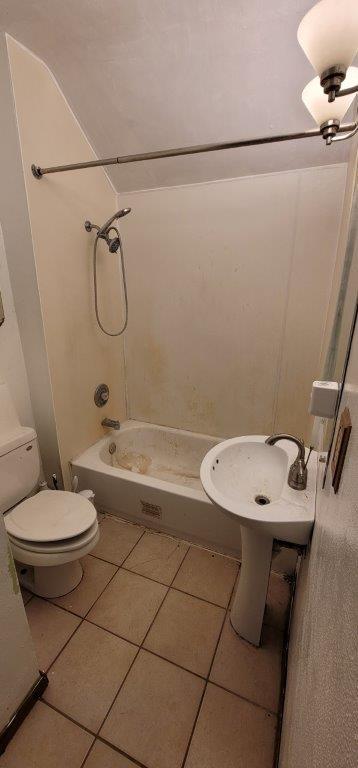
[{"x": 143, "y": 75}]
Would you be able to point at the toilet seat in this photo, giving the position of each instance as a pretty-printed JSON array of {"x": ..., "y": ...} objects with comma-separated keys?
[
  {"x": 56, "y": 554},
  {"x": 52, "y": 528},
  {"x": 50, "y": 516},
  {"x": 63, "y": 545}
]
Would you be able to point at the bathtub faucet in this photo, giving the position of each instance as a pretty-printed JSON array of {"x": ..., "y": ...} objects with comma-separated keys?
[{"x": 112, "y": 423}]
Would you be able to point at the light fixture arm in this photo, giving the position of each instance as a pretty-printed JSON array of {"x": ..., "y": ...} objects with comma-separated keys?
[
  {"x": 344, "y": 136},
  {"x": 347, "y": 91}
]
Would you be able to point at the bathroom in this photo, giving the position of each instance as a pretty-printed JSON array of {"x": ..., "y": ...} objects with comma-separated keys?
[{"x": 165, "y": 310}]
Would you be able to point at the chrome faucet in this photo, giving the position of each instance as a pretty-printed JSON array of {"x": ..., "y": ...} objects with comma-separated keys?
[
  {"x": 297, "y": 476},
  {"x": 112, "y": 423}
]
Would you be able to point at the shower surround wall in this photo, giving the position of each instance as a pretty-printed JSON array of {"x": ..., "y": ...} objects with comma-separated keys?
[
  {"x": 80, "y": 356},
  {"x": 229, "y": 284}
]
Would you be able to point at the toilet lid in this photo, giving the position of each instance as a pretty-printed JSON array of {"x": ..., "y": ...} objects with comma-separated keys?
[{"x": 51, "y": 516}]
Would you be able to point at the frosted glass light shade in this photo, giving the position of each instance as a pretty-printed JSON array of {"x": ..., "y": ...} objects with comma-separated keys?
[
  {"x": 328, "y": 34},
  {"x": 317, "y": 102}
]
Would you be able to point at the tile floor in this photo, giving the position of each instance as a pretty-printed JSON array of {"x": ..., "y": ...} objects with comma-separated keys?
[{"x": 144, "y": 667}]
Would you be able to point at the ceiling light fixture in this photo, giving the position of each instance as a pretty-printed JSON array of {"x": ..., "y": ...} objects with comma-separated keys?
[
  {"x": 328, "y": 114},
  {"x": 328, "y": 34}
]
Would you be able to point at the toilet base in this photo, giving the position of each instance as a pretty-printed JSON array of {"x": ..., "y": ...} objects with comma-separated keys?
[{"x": 50, "y": 581}]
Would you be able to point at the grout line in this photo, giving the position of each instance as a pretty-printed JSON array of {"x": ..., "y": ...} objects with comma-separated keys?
[
  {"x": 176, "y": 537},
  {"x": 203, "y": 599},
  {"x": 167, "y": 593},
  {"x": 68, "y": 717},
  {"x": 154, "y": 618},
  {"x": 144, "y": 638},
  {"x": 82, "y": 619},
  {"x": 175, "y": 663},
  {"x": 179, "y": 566},
  {"x": 150, "y": 578},
  {"x": 111, "y": 579},
  {"x": 207, "y": 679},
  {"x": 140, "y": 647},
  {"x": 194, "y": 725},
  {"x": 96, "y": 737},
  {"x": 243, "y": 698},
  {"x": 88, "y": 753},
  {"x": 121, "y": 752},
  {"x": 116, "y": 695}
]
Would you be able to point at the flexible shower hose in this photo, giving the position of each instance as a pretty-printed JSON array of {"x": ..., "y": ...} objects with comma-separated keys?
[{"x": 110, "y": 333}]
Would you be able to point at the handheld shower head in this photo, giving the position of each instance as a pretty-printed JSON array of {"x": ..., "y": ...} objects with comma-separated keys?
[
  {"x": 103, "y": 231},
  {"x": 114, "y": 244}
]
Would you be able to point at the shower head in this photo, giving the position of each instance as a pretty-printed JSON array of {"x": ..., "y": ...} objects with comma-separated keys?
[
  {"x": 103, "y": 231},
  {"x": 113, "y": 244}
]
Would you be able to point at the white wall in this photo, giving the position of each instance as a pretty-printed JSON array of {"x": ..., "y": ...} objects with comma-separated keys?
[
  {"x": 229, "y": 285},
  {"x": 18, "y": 663},
  {"x": 80, "y": 356},
  {"x": 320, "y": 718},
  {"x": 345, "y": 280},
  {"x": 15, "y": 224},
  {"x": 12, "y": 364}
]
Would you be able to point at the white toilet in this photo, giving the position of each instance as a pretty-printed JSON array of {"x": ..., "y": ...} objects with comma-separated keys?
[{"x": 49, "y": 531}]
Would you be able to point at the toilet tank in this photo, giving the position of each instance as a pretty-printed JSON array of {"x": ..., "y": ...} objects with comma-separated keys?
[
  {"x": 19, "y": 455},
  {"x": 19, "y": 467}
]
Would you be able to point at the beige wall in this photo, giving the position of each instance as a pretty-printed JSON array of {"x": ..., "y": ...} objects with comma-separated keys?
[
  {"x": 12, "y": 364},
  {"x": 320, "y": 718},
  {"x": 228, "y": 290},
  {"x": 22, "y": 270},
  {"x": 80, "y": 356}
]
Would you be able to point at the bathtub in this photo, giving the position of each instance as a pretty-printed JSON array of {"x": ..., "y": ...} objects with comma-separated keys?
[{"x": 150, "y": 474}]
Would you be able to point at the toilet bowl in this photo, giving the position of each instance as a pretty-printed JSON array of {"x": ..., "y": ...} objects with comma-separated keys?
[{"x": 49, "y": 533}]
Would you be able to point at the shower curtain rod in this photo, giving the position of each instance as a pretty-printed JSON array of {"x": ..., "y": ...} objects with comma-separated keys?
[{"x": 38, "y": 172}]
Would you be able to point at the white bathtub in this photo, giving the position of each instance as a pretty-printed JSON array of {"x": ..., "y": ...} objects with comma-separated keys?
[{"x": 153, "y": 478}]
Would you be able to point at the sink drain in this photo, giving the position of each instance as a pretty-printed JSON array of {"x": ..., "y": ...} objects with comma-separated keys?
[{"x": 261, "y": 499}]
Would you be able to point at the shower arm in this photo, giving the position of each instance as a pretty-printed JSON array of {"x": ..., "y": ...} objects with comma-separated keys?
[{"x": 348, "y": 128}]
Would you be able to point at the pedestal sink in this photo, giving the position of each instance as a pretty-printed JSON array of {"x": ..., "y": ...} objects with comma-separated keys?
[{"x": 247, "y": 478}]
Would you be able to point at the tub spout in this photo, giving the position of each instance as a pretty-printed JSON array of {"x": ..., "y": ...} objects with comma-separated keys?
[{"x": 112, "y": 423}]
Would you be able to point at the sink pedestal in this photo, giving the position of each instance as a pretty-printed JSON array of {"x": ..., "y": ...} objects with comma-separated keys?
[{"x": 248, "y": 606}]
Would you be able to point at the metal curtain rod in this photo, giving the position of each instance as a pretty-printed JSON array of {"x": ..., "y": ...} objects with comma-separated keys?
[{"x": 38, "y": 172}]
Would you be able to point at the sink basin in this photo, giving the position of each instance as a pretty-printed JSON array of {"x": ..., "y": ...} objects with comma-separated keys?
[{"x": 247, "y": 478}]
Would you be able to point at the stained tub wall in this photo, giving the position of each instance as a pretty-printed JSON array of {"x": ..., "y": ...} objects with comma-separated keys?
[
  {"x": 80, "y": 356},
  {"x": 229, "y": 285}
]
